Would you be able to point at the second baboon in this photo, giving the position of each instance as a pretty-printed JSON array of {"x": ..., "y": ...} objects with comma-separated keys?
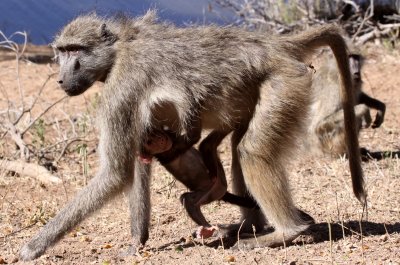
[
  {"x": 220, "y": 78},
  {"x": 326, "y": 131}
]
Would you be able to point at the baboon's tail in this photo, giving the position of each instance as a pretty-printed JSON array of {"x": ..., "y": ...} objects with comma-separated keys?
[{"x": 330, "y": 35}]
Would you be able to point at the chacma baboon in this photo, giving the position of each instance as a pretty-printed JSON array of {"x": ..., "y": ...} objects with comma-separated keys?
[
  {"x": 326, "y": 130},
  {"x": 221, "y": 78},
  {"x": 202, "y": 172}
]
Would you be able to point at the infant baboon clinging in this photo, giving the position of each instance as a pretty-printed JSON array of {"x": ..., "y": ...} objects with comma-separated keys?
[
  {"x": 201, "y": 172},
  {"x": 326, "y": 130},
  {"x": 187, "y": 79}
]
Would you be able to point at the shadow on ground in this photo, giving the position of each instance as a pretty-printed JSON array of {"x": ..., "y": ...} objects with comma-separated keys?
[{"x": 317, "y": 233}]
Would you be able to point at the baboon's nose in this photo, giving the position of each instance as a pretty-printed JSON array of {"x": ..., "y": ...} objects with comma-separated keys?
[{"x": 60, "y": 82}]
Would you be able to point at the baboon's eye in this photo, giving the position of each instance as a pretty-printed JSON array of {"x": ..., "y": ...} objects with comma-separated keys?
[
  {"x": 73, "y": 52},
  {"x": 73, "y": 49}
]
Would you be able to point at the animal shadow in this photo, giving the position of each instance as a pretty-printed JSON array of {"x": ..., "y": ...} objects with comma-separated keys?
[{"x": 317, "y": 233}]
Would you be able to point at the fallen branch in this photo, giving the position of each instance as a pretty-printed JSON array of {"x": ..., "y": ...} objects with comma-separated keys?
[
  {"x": 31, "y": 170},
  {"x": 376, "y": 33}
]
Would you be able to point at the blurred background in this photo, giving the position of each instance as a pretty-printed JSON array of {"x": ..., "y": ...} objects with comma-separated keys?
[{"x": 42, "y": 19}]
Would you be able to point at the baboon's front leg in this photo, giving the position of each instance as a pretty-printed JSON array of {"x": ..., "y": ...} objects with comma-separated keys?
[
  {"x": 111, "y": 177},
  {"x": 139, "y": 205},
  {"x": 90, "y": 198}
]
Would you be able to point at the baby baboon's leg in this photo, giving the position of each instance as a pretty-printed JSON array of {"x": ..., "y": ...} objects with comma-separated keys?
[{"x": 265, "y": 149}]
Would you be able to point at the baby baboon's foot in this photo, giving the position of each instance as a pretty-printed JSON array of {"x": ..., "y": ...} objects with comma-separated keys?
[{"x": 206, "y": 232}]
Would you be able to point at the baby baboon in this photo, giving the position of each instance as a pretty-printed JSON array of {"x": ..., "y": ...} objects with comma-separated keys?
[
  {"x": 188, "y": 79},
  {"x": 201, "y": 172},
  {"x": 326, "y": 130}
]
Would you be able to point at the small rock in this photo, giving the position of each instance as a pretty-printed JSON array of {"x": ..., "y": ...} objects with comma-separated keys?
[
  {"x": 230, "y": 258},
  {"x": 107, "y": 246}
]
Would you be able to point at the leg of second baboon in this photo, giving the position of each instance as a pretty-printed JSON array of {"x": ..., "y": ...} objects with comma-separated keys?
[
  {"x": 334, "y": 123},
  {"x": 139, "y": 204}
]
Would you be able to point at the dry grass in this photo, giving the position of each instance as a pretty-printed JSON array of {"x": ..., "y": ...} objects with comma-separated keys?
[{"x": 321, "y": 187}]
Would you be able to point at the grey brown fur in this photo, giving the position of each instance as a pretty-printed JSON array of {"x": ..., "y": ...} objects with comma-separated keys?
[
  {"x": 326, "y": 132},
  {"x": 225, "y": 79}
]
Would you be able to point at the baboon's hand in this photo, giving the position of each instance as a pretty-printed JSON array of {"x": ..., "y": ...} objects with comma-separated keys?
[{"x": 32, "y": 250}]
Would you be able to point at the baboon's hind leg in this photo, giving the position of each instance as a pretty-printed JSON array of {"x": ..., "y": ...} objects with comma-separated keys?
[
  {"x": 265, "y": 149},
  {"x": 251, "y": 217}
]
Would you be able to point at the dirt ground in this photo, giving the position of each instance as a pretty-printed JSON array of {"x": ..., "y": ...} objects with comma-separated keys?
[{"x": 67, "y": 138}]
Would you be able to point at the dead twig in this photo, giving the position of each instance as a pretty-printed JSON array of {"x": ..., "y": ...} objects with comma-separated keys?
[{"x": 29, "y": 169}]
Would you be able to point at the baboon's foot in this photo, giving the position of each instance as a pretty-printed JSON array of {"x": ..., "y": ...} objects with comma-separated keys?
[
  {"x": 273, "y": 239},
  {"x": 257, "y": 225},
  {"x": 32, "y": 250},
  {"x": 131, "y": 251},
  {"x": 240, "y": 228},
  {"x": 253, "y": 222},
  {"x": 276, "y": 238}
]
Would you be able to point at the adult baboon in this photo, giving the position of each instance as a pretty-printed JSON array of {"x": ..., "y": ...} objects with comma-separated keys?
[
  {"x": 188, "y": 78},
  {"x": 326, "y": 130}
]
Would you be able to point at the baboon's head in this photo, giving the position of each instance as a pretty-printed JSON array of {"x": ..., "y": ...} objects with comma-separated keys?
[
  {"x": 355, "y": 62},
  {"x": 86, "y": 53}
]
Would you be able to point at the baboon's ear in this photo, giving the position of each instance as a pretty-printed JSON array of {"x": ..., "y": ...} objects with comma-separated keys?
[{"x": 106, "y": 35}]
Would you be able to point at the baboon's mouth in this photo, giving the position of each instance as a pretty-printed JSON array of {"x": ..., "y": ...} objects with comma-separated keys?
[{"x": 75, "y": 91}]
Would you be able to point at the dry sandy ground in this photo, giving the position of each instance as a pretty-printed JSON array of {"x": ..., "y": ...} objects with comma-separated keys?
[{"x": 321, "y": 187}]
